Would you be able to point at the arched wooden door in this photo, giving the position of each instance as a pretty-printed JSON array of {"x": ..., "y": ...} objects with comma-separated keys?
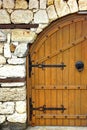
[{"x": 57, "y": 96}]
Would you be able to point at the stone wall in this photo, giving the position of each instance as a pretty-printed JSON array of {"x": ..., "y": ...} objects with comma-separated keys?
[{"x": 14, "y": 46}]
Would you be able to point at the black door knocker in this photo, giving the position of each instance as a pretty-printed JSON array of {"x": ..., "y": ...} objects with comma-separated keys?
[{"x": 79, "y": 66}]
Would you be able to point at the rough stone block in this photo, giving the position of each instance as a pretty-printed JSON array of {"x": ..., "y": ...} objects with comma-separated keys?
[
  {"x": 2, "y": 60},
  {"x": 22, "y": 105},
  {"x": 12, "y": 71},
  {"x": 4, "y": 17},
  {"x": 21, "y": 118},
  {"x": 2, "y": 119},
  {"x": 8, "y": 4},
  {"x": 2, "y": 36},
  {"x": 23, "y": 35},
  {"x": 82, "y": 4},
  {"x": 11, "y": 85},
  {"x": 33, "y": 4},
  {"x": 22, "y": 16},
  {"x": 12, "y": 94},
  {"x": 16, "y": 61},
  {"x": 1, "y": 48},
  {"x": 62, "y": 8},
  {"x": 7, "y": 108},
  {"x": 73, "y": 6},
  {"x": 41, "y": 17},
  {"x": 51, "y": 13},
  {"x": 7, "y": 52},
  {"x": 42, "y": 4},
  {"x": 21, "y": 50},
  {"x": 21, "y": 4}
]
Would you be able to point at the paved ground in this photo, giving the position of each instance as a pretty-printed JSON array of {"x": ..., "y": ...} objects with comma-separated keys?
[{"x": 56, "y": 128}]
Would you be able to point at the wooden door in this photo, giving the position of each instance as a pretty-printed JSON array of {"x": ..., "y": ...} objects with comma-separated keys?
[{"x": 58, "y": 96}]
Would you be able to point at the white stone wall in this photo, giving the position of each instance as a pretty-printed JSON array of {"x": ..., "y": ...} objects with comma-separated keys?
[{"x": 14, "y": 47}]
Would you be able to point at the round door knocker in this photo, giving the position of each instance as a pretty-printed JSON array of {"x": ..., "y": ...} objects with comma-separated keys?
[{"x": 79, "y": 66}]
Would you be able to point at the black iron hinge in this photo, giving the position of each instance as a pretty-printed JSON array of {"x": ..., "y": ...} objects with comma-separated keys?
[{"x": 62, "y": 65}]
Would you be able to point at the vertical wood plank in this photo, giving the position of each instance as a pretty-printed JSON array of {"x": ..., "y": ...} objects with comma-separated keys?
[
  {"x": 65, "y": 83},
  {"x": 77, "y": 82},
  {"x": 65, "y": 35},
  {"x": 47, "y": 80},
  {"x": 72, "y": 33}
]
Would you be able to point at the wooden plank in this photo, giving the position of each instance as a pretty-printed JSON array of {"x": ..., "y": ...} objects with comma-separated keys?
[
  {"x": 59, "y": 103},
  {"x": 48, "y": 104},
  {"x": 47, "y": 80},
  {"x": 65, "y": 103},
  {"x": 65, "y": 82},
  {"x": 71, "y": 106},
  {"x": 53, "y": 104},
  {"x": 72, "y": 33},
  {"x": 77, "y": 82},
  {"x": 72, "y": 84},
  {"x": 37, "y": 105},
  {"x": 78, "y": 29},
  {"x": 10, "y": 80},
  {"x": 84, "y": 106},
  {"x": 65, "y": 36},
  {"x": 59, "y": 40},
  {"x": 84, "y": 82},
  {"x": 33, "y": 123},
  {"x": 41, "y": 97},
  {"x": 18, "y": 26}
]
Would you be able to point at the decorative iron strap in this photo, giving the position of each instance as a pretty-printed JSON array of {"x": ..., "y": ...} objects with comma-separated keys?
[
  {"x": 62, "y": 65},
  {"x": 44, "y": 108}
]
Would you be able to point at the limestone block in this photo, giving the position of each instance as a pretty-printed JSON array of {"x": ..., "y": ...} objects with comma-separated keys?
[
  {"x": 16, "y": 61},
  {"x": 7, "y": 108},
  {"x": 2, "y": 36},
  {"x": 23, "y": 35},
  {"x": 50, "y": 2},
  {"x": 4, "y": 17},
  {"x": 21, "y": 50},
  {"x": 20, "y": 118},
  {"x": 22, "y": 105},
  {"x": 2, "y": 60},
  {"x": 1, "y": 48},
  {"x": 12, "y": 94},
  {"x": 7, "y": 52},
  {"x": 39, "y": 30},
  {"x": 12, "y": 71},
  {"x": 8, "y": 4},
  {"x": 51, "y": 13},
  {"x": 11, "y": 85},
  {"x": 73, "y": 6},
  {"x": 33, "y": 4},
  {"x": 0, "y": 4},
  {"x": 62, "y": 8},
  {"x": 2, "y": 119},
  {"x": 82, "y": 4},
  {"x": 22, "y": 16},
  {"x": 21, "y": 4},
  {"x": 41, "y": 17},
  {"x": 42, "y": 4}
]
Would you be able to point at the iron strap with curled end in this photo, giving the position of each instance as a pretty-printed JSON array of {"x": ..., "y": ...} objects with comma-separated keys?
[
  {"x": 44, "y": 108},
  {"x": 62, "y": 65}
]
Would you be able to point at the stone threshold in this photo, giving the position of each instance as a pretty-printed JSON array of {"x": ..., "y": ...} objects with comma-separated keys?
[{"x": 55, "y": 128}]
